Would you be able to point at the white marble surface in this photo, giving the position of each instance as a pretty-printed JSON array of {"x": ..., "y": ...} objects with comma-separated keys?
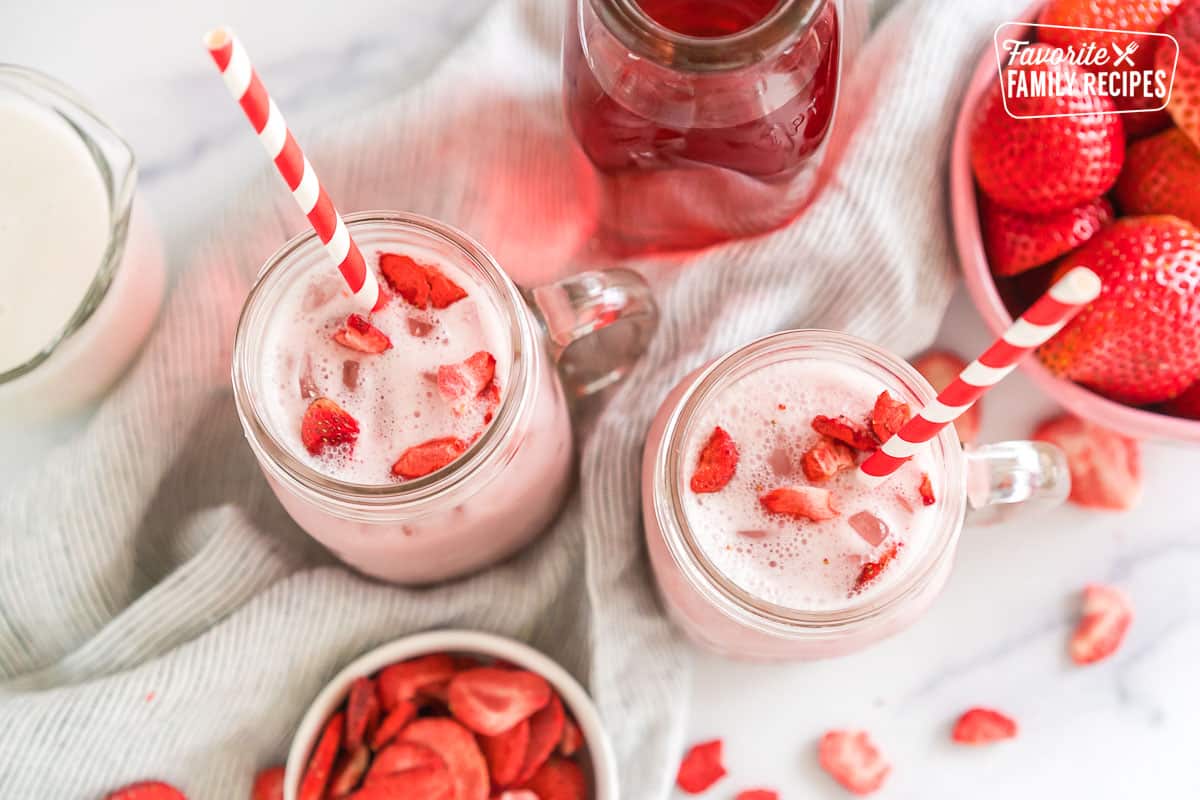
[{"x": 1126, "y": 728}]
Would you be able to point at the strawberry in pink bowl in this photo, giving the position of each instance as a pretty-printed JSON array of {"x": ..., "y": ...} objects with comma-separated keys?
[{"x": 1115, "y": 192}]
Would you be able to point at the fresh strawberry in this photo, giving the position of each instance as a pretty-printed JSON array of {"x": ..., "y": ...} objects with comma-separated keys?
[
  {"x": 458, "y": 749},
  {"x": 844, "y": 430},
  {"x": 358, "y": 334},
  {"x": 349, "y": 771},
  {"x": 1107, "y": 614},
  {"x": 757, "y": 794},
  {"x": 443, "y": 292},
  {"x": 489, "y": 701},
  {"x": 826, "y": 458},
  {"x": 701, "y": 767},
  {"x": 406, "y": 277},
  {"x": 801, "y": 502},
  {"x": 405, "y": 679},
  {"x": 718, "y": 462},
  {"x": 545, "y": 732},
  {"x": 1184, "y": 105},
  {"x": 268, "y": 784},
  {"x": 940, "y": 368},
  {"x": 422, "y": 459},
  {"x": 572, "y": 738},
  {"x": 320, "y": 763},
  {"x": 468, "y": 378},
  {"x": 853, "y": 761},
  {"x": 983, "y": 726},
  {"x": 1105, "y": 467},
  {"x": 1161, "y": 176},
  {"x": 362, "y": 709},
  {"x": 558, "y": 779},
  {"x": 505, "y": 753},
  {"x": 326, "y": 424},
  {"x": 926, "y": 490},
  {"x": 888, "y": 416},
  {"x": 1051, "y": 163},
  {"x": 1187, "y": 404},
  {"x": 418, "y": 783},
  {"x": 401, "y": 757},
  {"x": 391, "y": 725},
  {"x": 147, "y": 790},
  {"x": 872, "y": 569},
  {"x": 1139, "y": 342},
  {"x": 1017, "y": 242}
]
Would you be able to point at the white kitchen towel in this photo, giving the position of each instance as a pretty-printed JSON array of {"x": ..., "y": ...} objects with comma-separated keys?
[{"x": 160, "y": 615}]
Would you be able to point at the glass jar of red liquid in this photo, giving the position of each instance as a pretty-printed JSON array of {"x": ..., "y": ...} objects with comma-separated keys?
[{"x": 705, "y": 119}]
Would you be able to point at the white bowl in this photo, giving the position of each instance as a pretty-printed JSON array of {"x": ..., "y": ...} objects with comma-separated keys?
[{"x": 599, "y": 761}]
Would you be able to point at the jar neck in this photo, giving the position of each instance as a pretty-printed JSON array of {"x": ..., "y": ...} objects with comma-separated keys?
[
  {"x": 377, "y": 501},
  {"x": 708, "y": 580},
  {"x": 649, "y": 39}
]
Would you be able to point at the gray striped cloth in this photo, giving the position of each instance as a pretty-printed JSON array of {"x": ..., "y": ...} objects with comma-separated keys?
[{"x": 160, "y": 615}]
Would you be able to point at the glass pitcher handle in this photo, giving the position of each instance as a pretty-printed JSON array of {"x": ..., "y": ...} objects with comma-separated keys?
[
  {"x": 599, "y": 324},
  {"x": 1007, "y": 479}
]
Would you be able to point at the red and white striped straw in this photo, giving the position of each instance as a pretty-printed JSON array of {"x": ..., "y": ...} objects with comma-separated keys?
[
  {"x": 247, "y": 89},
  {"x": 1046, "y": 317}
]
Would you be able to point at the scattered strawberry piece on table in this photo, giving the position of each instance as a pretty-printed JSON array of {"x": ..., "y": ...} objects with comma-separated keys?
[
  {"x": 983, "y": 726},
  {"x": 1107, "y": 615},
  {"x": 758, "y": 794},
  {"x": 1106, "y": 471},
  {"x": 853, "y": 761},
  {"x": 701, "y": 767},
  {"x": 147, "y": 790}
]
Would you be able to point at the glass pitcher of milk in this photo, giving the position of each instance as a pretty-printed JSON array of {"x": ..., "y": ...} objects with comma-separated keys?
[{"x": 81, "y": 275}]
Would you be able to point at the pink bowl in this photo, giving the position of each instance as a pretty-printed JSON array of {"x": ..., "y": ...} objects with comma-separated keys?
[{"x": 1135, "y": 422}]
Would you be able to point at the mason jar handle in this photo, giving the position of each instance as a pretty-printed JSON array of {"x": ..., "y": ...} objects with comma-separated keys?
[
  {"x": 1007, "y": 479},
  {"x": 599, "y": 324}
]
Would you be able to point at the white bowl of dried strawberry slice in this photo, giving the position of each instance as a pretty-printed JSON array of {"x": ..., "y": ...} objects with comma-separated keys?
[{"x": 452, "y": 715}]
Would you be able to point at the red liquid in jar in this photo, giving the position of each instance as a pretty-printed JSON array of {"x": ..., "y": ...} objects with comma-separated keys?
[{"x": 673, "y": 181}]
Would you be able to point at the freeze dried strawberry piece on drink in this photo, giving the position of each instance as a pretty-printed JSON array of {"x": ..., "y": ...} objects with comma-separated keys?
[
  {"x": 718, "y": 463},
  {"x": 358, "y": 334},
  {"x": 983, "y": 726},
  {"x": 443, "y": 292},
  {"x": 826, "y": 458},
  {"x": 401, "y": 757},
  {"x": 468, "y": 378},
  {"x": 349, "y": 771},
  {"x": 362, "y": 710},
  {"x": 701, "y": 767},
  {"x": 1018, "y": 242},
  {"x": 391, "y": 725},
  {"x": 489, "y": 701},
  {"x": 888, "y": 416},
  {"x": 873, "y": 569},
  {"x": 422, "y": 459},
  {"x": 320, "y": 763},
  {"x": 558, "y": 779},
  {"x": 926, "y": 490},
  {"x": 406, "y": 277},
  {"x": 1107, "y": 615},
  {"x": 1106, "y": 470},
  {"x": 418, "y": 783},
  {"x": 147, "y": 790},
  {"x": 800, "y": 502},
  {"x": 545, "y": 732},
  {"x": 851, "y": 759},
  {"x": 458, "y": 748},
  {"x": 326, "y": 424},
  {"x": 844, "y": 430},
  {"x": 404, "y": 680},
  {"x": 757, "y": 794},
  {"x": 505, "y": 753},
  {"x": 268, "y": 784},
  {"x": 940, "y": 368}
]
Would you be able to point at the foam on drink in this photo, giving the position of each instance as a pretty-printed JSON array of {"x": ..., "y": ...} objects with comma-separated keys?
[{"x": 798, "y": 564}]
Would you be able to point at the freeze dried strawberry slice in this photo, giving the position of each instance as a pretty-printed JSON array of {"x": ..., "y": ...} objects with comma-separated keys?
[
  {"x": 443, "y": 292},
  {"x": 545, "y": 732},
  {"x": 362, "y": 707},
  {"x": 458, "y": 749},
  {"x": 572, "y": 738},
  {"x": 718, "y": 462},
  {"x": 326, "y": 424},
  {"x": 844, "y": 430},
  {"x": 406, "y": 277},
  {"x": 430, "y": 456},
  {"x": 147, "y": 790},
  {"x": 888, "y": 416},
  {"x": 926, "y": 490},
  {"x": 517, "y": 794},
  {"x": 872, "y": 569},
  {"x": 401, "y": 757},
  {"x": 268, "y": 784},
  {"x": 983, "y": 726},
  {"x": 800, "y": 502},
  {"x": 490, "y": 397},
  {"x": 316, "y": 776},
  {"x": 701, "y": 767},
  {"x": 558, "y": 779},
  {"x": 1107, "y": 614},
  {"x": 403, "y": 680},
  {"x": 358, "y": 334},
  {"x": 349, "y": 771},
  {"x": 468, "y": 378},
  {"x": 505, "y": 753},
  {"x": 826, "y": 458},
  {"x": 489, "y": 701},
  {"x": 940, "y": 368},
  {"x": 418, "y": 783},
  {"x": 758, "y": 794},
  {"x": 853, "y": 761},
  {"x": 393, "y": 723},
  {"x": 1106, "y": 469}
]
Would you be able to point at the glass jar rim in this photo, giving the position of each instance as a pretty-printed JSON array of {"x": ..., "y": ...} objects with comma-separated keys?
[
  {"x": 278, "y": 459},
  {"x": 707, "y": 579},
  {"x": 34, "y": 87},
  {"x": 647, "y": 37}
]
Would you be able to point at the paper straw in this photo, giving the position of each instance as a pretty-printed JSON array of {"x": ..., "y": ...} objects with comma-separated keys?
[
  {"x": 1046, "y": 317},
  {"x": 247, "y": 89}
]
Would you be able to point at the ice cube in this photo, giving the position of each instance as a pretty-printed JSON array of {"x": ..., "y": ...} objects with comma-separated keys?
[
  {"x": 420, "y": 328},
  {"x": 780, "y": 462},
  {"x": 753, "y": 534},
  {"x": 321, "y": 291},
  {"x": 350, "y": 374},
  {"x": 871, "y": 528}
]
